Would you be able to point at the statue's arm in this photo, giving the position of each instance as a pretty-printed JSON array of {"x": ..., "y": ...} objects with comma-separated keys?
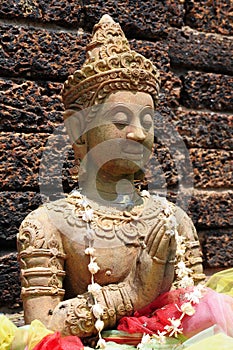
[{"x": 41, "y": 260}]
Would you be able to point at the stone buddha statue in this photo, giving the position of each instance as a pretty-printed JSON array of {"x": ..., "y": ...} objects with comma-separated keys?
[{"x": 107, "y": 249}]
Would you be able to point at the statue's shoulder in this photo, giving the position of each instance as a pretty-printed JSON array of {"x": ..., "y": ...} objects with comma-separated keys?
[
  {"x": 42, "y": 213},
  {"x": 39, "y": 229},
  {"x": 185, "y": 225}
]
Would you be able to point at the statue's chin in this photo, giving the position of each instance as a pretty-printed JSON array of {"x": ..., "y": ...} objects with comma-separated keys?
[{"x": 122, "y": 167}]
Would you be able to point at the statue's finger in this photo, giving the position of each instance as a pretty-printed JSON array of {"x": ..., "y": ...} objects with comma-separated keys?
[
  {"x": 166, "y": 245},
  {"x": 153, "y": 239}
]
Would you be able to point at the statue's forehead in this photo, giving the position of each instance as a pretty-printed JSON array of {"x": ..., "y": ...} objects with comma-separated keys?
[
  {"x": 130, "y": 98},
  {"x": 136, "y": 97}
]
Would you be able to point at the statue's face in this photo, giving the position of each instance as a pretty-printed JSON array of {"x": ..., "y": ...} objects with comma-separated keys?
[{"x": 120, "y": 138}]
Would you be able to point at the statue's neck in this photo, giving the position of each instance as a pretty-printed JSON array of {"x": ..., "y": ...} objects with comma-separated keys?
[{"x": 115, "y": 191}]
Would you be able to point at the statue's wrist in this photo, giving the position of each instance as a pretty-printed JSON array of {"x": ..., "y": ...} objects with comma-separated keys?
[{"x": 76, "y": 316}]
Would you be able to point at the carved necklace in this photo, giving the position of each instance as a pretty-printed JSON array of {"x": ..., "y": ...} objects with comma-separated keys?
[{"x": 110, "y": 222}]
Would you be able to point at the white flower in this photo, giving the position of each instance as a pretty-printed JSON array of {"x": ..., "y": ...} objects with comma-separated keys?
[
  {"x": 180, "y": 250},
  {"x": 195, "y": 295},
  {"x": 182, "y": 269},
  {"x": 173, "y": 329},
  {"x": 170, "y": 232},
  {"x": 167, "y": 211},
  {"x": 90, "y": 233},
  {"x": 173, "y": 221},
  {"x": 145, "y": 193},
  {"x": 90, "y": 251},
  {"x": 93, "y": 267},
  {"x": 94, "y": 288},
  {"x": 187, "y": 309},
  {"x": 186, "y": 282},
  {"x": 145, "y": 340},
  {"x": 82, "y": 202},
  {"x": 160, "y": 337},
  {"x": 179, "y": 239},
  {"x": 88, "y": 215},
  {"x": 101, "y": 343},
  {"x": 99, "y": 325},
  {"x": 163, "y": 202},
  {"x": 97, "y": 310},
  {"x": 75, "y": 193}
]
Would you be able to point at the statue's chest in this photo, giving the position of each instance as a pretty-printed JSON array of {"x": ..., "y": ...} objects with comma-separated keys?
[
  {"x": 117, "y": 238},
  {"x": 115, "y": 262},
  {"x": 108, "y": 228},
  {"x": 102, "y": 229}
]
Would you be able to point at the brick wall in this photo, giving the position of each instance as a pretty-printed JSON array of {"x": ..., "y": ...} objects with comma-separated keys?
[{"x": 42, "y": 42}]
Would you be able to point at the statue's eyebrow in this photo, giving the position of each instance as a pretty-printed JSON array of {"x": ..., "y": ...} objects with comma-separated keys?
[
  {"x": 120, "y": 107},
  {"x": 147, "y": 107}
]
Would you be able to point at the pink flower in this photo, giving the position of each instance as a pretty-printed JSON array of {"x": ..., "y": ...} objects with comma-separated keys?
[{"x": 56, "y": 342}]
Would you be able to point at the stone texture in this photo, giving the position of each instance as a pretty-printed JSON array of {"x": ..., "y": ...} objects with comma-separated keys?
[
  {"x": 50, "y": 54},
  {"x": 59, "y": 12},
  {"x": 217, "y": 248},
  {"x": 204, "y": 129},
  {"x": 31, "y": 52},
  {"x": 207, "y": 90},
  {"x": 20, "y": 160},
  {"x": 170, "y": 91},
  {"x": 14, "y": 207},
  {"x": 190, "y": 49},
  {"x": 212, "y": 209},
  {"x": 142, "y": 19},
  {"x": 30, "y": 106},
  {"x": 9, "y": 281},
  {"x": 171, "y": 84},
  {"x": 212, "y": 168},
  {"x": 210, "y": 16},
  {"x": 173, "y": 166},
  {"x": 34, "y": 161},
  {"x": 157, "y": 52}
]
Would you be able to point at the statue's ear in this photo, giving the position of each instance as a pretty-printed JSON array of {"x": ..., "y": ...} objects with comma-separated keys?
[
  {"x": 75, "y": 125},
  {"x": 80, "y": 147}
]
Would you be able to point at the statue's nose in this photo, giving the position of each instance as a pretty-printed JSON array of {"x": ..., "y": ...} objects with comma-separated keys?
[{"x": 135, "y": 133}]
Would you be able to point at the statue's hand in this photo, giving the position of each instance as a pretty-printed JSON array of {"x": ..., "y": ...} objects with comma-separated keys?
[
  {"x": 74, "y": 317},
  {"x": 86, "y": 314},
  {"x": 155, "y": 268},
  {"x": 161, "y": 247}
]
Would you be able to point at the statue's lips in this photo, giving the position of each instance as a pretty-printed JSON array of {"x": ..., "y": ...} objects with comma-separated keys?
[{"x": 134, "y": 152}]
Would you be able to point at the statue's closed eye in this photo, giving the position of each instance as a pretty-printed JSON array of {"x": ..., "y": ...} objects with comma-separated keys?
[
  {"x": 146, "y": 121},
  {"x": 120, "y": 119}
]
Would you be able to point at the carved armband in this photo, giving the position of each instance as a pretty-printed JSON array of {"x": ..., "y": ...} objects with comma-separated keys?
[
  {"x": 41, "y": 261},
  {"x": 194, "y": 260},
  {"x": 115, "y": 301}
]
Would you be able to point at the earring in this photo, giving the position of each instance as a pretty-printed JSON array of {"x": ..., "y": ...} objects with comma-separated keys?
[
  {"x": 74, "y": 172},
  {"x": 80, "y": 150}
]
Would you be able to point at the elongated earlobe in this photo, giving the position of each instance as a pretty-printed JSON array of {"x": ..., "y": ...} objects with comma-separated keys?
[
  {"x": 80, "y": 151},
  {"x": 75, "y": 126}
]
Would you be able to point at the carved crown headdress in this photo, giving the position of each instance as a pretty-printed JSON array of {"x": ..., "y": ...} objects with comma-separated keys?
[{"x": 110, "y": 65}]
